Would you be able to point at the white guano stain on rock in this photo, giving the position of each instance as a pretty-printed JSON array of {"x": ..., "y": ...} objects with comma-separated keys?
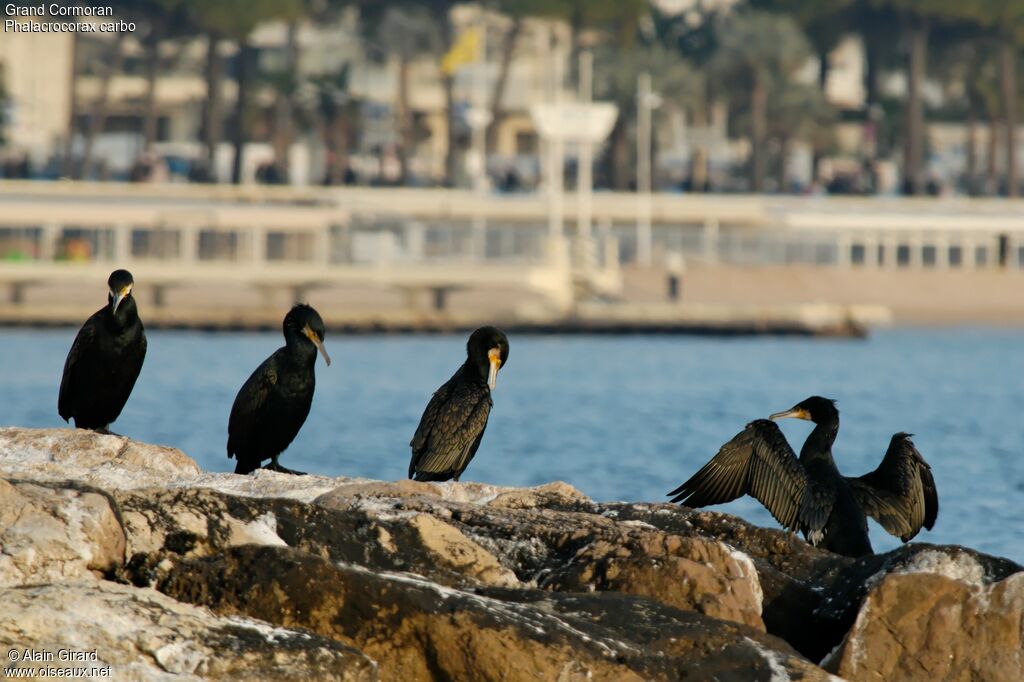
[
  {"x": 963, "y": 567},
  {"x": 749, "y": 571},
  {"x": 260, "y": 531}
]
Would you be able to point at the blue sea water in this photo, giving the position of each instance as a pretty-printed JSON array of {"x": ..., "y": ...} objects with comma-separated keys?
[{"x": 622, "y": 418}]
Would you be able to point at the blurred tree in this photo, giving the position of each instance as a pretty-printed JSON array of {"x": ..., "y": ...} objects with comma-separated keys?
[
  {"x": 111, "y": 62},
  {"x": 616, "y": 73},
  {"x": 437, "y": 14},
  {"x": 798, "y": 111},
  {"x": 694, "y": 34},
  {"x": 160, "y": 21},
  {"x": 234, "y": 20},
  {"x": 618, "y": 22},
  {"x": 964, "y": 62},
  {"x": 407, "y": 32},
  {"x": 917, "y": 18},
  {"x": 1005, "y": 18},
  {"x": 335, "y": 113},
  {"x": 756, "y": 52},
  {"x": 286, "y": 80},
  {"x": 825, "y": 24},
  {"x": 517, "y": 11},
  {"x": 612, "y": 25}
]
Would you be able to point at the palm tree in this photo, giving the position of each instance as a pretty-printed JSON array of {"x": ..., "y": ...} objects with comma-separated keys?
[
  {"x": 408, "y": 33},
  {"x": 755, "y": 50},
  {"x": 161, "y": 20},
  {"x": 234, "y": 20},
  {"x": 797, "y": 111},
  {"x": 825, "y": 24},
  {"x": 334, "y": 110},
  {"x": 615, "y": 79},
  {"x": 112, "y": 60},
  {"x": 1006, "y": 18}
]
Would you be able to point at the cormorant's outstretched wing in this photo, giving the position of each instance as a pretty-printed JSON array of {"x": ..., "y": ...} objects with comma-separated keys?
[
  {"x": 900, "y": 494},
  {"x": 450, "y": 431},
  {"x": 759, "y": 462},
  {"x": 83, "y": 341}
]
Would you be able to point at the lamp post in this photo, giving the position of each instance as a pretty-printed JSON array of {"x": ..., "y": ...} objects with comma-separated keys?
[
  {"x": 585, "y": 165},
  {"x": 646, "y": 102},
  {"x": 478, "y": 118}
]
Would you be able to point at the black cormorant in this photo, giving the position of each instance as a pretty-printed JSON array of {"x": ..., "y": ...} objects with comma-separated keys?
[
  {"x": 274, "y": 401},
  {"x": 809, "y": 494},
  {"x": 453, "y": 423},
  {"x": 105, "y": 359}
]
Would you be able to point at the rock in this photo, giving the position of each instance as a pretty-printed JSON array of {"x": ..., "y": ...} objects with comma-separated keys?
[
  {"x": 556, "y": 494},
  {"x": 48, "y": 454},
  {"x": 937, "y": 616},
  {"x": 464, "y": 580},
  {"x": 551, "y": 537},
  {"x": 140, "y": 634},
  {"x": 114, "y": 462},
  {"x": 448, "y": 546},
  {"x": 53, "y": 533},
  {"x": 380, "y": 489},
  {"x": 695, "y": 574},
  {"x": 796, "y": 579},
  {"x": 416, "y": 629}
]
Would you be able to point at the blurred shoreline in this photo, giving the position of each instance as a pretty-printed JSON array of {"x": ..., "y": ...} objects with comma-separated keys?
[{"x": 713, "y": 299}]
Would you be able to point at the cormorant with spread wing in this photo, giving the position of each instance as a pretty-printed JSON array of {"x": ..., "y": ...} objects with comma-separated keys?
[
  {"x": 105, "y": 359},
  {"x": 809, "y": 494},
  {"x": 274, "y": 401},
  {"x": 453, "y": 424}
]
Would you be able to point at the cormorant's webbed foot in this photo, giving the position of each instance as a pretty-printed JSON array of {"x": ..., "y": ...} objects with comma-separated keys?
[{"x": 274, "y": 466}]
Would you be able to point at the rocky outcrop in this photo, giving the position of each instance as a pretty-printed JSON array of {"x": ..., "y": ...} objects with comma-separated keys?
[
  {"x": 408, "y": 581},
  {"x": 127, "y": 633},
  {"x": 417, "y": 629},
  {"x": 937, "y": 615},
  {"x": 54, "y": 532}
]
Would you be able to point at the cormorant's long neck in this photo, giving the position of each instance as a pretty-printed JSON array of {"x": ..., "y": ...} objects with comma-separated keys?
[
  {"x": 819, "y": 444},
  {"x": 126, "y": 315},
  {"x": 472, "y": 371},
  {"x": 300, "y": 348}
]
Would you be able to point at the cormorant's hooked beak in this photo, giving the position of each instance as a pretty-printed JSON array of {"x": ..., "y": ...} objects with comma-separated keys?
[
  {"x": 312, "y": 336},
  {"x": 494, "y": 356},
  {"x": 120, "y": 296},
  {"x": 796, "y": 412}
]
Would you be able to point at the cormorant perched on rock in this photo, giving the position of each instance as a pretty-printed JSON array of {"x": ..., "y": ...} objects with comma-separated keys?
[
  {"x": 809, "y": 494},
  {"x": 274, "y": 401},
  {"x": 453, "y": 424},
  {"x": 105, "y": 359}
]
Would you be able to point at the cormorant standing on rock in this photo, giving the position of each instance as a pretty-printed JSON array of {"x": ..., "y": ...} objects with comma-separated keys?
[
  {"x": 105, "y": 360},
  {"x": 274, "y": 401},
  {"x": 809, "y": 494},
  {"x": 453, "y": 424}
]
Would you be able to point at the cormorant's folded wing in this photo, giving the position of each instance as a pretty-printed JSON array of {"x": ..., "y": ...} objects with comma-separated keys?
[
  {"x": 758, "y": 462},
  {"x": 450, "y": 430},
  {"x": 900, "y": 494},
  {"x": 83, "y": 342},
  {"x": 247, "y": 409}
]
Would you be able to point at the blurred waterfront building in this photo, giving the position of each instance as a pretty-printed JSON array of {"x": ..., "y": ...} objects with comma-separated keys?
[{"x": 41, "y": 71}]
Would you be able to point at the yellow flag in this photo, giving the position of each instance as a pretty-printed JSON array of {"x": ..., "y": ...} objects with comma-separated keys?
[{"x": 464, "y": 51}]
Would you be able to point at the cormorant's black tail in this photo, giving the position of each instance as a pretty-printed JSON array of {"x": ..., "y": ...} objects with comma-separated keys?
[
  {"x": 432, "y": 476},
  {"x": 244, "y": 467}
]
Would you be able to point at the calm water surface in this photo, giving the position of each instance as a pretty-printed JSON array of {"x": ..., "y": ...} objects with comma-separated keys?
[{"x": 622, "y": 418}]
